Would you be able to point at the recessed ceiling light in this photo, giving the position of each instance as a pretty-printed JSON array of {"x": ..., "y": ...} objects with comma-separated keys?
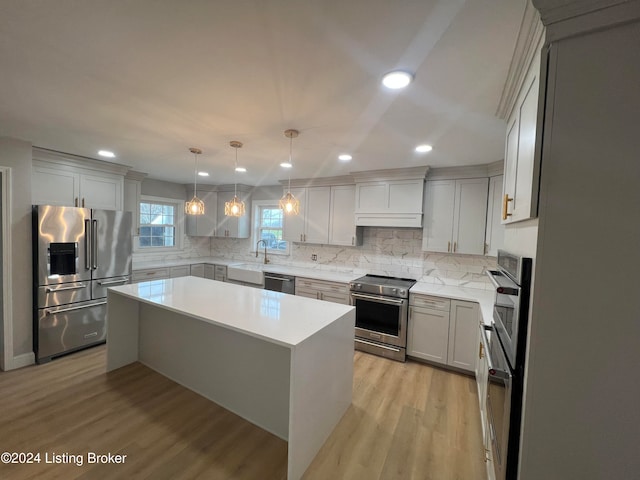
[
  {"x": 106, "y": 153},
  {"x": 424, "y": 148},
  {"x": 397, "y": 79},
  {"x": 203, "y": 174},
  {"x": 286, "y": 165},
  {"x": 345, "y": 157},
  {"x": 241, "y": 169}
]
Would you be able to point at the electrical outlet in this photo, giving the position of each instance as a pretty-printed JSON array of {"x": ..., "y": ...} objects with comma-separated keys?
[{"x": 314, "y": 257}]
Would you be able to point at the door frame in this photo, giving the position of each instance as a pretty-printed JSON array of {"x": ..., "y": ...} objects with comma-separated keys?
[{"x": 6, "y": 359}]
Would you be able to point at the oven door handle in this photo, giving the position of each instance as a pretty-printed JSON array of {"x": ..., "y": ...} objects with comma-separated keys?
[
  {"x": 390, "y": 301},
  {"x": 493, "y": 371}
]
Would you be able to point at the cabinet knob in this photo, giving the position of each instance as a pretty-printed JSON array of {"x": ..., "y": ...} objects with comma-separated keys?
[{"x": 448, "y": 246}]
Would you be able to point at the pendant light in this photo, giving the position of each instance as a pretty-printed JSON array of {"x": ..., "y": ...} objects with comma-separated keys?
[
  {"x": 288, "y": 203},
  {"x": 235, "y": 208},
  {"x": 195, "y": 206}
]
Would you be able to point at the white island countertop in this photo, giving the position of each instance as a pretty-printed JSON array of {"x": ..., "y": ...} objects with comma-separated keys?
[{"x": 277, "y": 317}]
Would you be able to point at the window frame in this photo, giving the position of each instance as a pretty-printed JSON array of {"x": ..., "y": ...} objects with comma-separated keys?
[
  {"x": 256, "y": 207},
  {"x": 178, "y": 205}
]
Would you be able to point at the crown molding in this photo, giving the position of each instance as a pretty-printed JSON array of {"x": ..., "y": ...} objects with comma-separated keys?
[
  {"x": 496, "y": 168},
  {"x": 135, "y": 175},
  {"x": 411, "y": 173},
  {"x": 528, "y": 43},
  {"x": 554, "y": 11},
  {"x": 320, "y": 182},
  {"x": 77, "y": 161}
]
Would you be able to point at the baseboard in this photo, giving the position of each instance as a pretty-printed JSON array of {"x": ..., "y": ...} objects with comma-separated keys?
[{"x": 23, "y": 360}]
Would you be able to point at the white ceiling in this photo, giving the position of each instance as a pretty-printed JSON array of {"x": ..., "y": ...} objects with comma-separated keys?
[{"x": 148, "y": 79}]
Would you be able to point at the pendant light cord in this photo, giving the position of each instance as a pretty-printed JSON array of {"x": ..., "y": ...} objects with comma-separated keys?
[
  {"x": 195, "y": 176},
  {"x": 290, "y": 161},
  {"x": 235, "y": 176}
]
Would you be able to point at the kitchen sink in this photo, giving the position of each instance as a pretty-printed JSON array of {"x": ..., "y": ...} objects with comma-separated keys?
[{"x": 246, "y": 272}]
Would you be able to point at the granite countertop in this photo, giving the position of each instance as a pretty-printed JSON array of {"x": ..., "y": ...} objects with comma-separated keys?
[
  {"x": 484, "y": 297},
  {"x": 314, "y": 273},
  {"x": 271, "y": 316}
]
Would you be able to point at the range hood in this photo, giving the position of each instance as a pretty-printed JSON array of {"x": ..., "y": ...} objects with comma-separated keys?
[{"x": 390, "y": 198}]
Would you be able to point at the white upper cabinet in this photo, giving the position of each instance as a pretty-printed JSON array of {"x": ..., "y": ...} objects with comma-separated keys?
[
  {"x": 317, "y": 215},
  {"x": 203, "y": 225},
  {"x": 342, "y": 225},
  {"x": 522, "y": 165},
  {"x": 494, "y": 238},
  {"x": 326, "y": 216},
  {"x": 455, "y": 216},
  {"x": 233, "y": 227},
  {"x": 68, "y": 180}
]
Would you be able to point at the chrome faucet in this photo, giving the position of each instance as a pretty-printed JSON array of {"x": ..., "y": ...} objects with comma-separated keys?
[{"x": 266, "y": 260}]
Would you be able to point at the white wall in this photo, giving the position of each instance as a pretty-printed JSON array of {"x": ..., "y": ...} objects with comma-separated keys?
[
  {"x": 16, "y": 154},
  {"x": 581, "y": 417}
]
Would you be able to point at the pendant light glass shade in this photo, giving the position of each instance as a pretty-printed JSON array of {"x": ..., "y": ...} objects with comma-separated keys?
[
  {"x": 289, "y": 204},
  {"x": 235, "y": 207},
  {"x": 195, "y": 206}
]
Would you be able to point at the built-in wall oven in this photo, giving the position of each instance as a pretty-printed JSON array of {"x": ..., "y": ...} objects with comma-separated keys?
[
  {"x": 382, "y": 309},
  {"x": 506, "y": 358}
]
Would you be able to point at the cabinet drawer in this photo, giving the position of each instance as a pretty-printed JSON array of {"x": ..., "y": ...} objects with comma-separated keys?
[
  {"x": 144, "y": 275},
  {"x": 434, "y": 303},
  {"x": 307, "y": 292},
  {"x": 182, "y": 271},
  {"x": 321, "y": 285}
]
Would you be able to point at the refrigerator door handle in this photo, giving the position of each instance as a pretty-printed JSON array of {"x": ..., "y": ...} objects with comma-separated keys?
[
  {"x": 61, "y": 289},
  {"x": 87, "y": 244},
  {"x": 94, "y": 248},
  {"x": 71, "y": 309},
  {"x": 103, "y": 283}
]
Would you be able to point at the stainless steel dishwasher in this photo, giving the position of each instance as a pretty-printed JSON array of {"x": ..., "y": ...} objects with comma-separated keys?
[{"x": 279, "y": 283}]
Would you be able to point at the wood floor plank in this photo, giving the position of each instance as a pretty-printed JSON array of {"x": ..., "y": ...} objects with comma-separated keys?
[{"x": 407, "y": 421}]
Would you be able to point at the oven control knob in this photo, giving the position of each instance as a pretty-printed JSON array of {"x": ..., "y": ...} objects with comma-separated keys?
[
  {"x": 394, "y": 290},
  {"x": 358, "y": 286},
  {"x": 402, "y": 292}
]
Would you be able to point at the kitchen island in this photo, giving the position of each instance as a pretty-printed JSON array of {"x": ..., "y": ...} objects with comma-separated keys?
[{"x": 282, "y": 362}]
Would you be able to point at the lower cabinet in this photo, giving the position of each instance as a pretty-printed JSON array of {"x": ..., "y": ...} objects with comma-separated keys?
[
  {"x": 443, "y": 331},
  {"x": 210, "y": 271},
  {"x": 197, "y": 270},
  {"x": 323, "y": 290},
  {"x": 428, "y": 328},
  {"x": 180, "y": 271},
  {"x": 138, "y": 276},
  {"x": 482, "y": 379}
]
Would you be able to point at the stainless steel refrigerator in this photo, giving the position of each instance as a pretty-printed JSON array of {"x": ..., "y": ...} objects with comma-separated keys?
[{"x": 77, "y": 254}]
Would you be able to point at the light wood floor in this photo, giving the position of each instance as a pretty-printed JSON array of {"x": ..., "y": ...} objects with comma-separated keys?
[{"x": 407, "y": 421}]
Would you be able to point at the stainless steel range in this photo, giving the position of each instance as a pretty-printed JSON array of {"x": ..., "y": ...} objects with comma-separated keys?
[{"x": 382, "y": 307}]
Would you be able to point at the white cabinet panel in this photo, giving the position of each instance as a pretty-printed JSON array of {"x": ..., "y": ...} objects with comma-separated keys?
[
  {"x": 233, "y": 227},
  {"x": 323, "y": 290},
  {"x": 392, "y": 203},
  {"x": 180, "y": 271},
  {"x": 372, "y": 197},
  {"x": 101, "y": 191},
  {"x": 428, "y": 334},
  {"x": 51, "y": 186},
  {"x": 438, "y": 215},
  {"x": 342, "y": 225},
  {"x": 317, "y": 215},
  {"x": 455, "y": 216},
  {"x": 463, "y": 335},
  {"x": 197, "y": 270},
  {"x": 294, "y": 225},
  {"x": 521, "y": 182},
  {"x": 494, "y": 238},
  {"x": 470, "y": 215},
  {"x": 203, "y": 225},
  {"x": 131, "y": 202}
]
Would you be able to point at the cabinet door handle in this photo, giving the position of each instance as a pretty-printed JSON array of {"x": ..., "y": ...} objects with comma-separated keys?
[
  {"x": 353, "y": 240},
  {"x": 505, "y": 206},
  {"x": 300, "y": 237},
  {"x": 75, "y": 202},
  {"x": 480, "y": 352},
  {"x": 83, "y": 202},
  {"x": 455, "y": 246},
  {"x": 305, "y": 237},
  {"x": 448, "y": 246}
]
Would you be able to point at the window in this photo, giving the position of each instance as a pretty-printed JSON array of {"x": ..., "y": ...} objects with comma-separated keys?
[
  {"x": 157, "y": 224},
  {"x": 268, "y": 226}
]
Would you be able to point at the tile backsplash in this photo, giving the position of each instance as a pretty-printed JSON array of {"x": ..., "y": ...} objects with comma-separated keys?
[
  {"x": 192, "y": 247},
  {"x": 385, "y": 251}
]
